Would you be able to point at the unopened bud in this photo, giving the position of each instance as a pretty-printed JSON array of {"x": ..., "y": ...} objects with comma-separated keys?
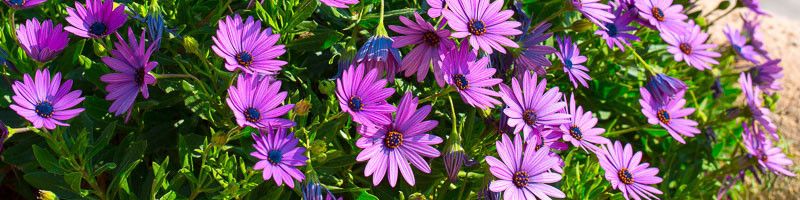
[
  {"x": 302, "y": 107},
  {"x": 47, "y": 195},
  {"x": 581, "y": 26},
  {"x": 417, "y": 196},
  {"x": 326, "y": 87},
  {"x": 190, "y": 44},
  {"x": 99, "y": 49}
]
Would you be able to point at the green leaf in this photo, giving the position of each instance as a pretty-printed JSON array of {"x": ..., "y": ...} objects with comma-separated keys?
[
  {"x": 132, "y": 158},
  {"x": 74, "y": 181},
  {"x": 366, "y": 196},
  {"x": 47, "y": 160},
  {"x": 102, "y": 141},
  {"x": 50, "y": 182},
  {"x": 656, "y": 132},
  {"x": 303, "y": 13},
  {"x": 322, "y": 39}
]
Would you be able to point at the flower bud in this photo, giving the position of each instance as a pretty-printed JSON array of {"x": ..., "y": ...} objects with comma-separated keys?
[
  {"x": 99, "y": 49},
  {"x": 663, "y": 87},
  {"x": 47, "y": 195},
  {"x": 191, "y": 46},
  {"x": 453, "y": 156},
  {"x": 302, "y": 107},
  {"x": 326, "y": 87},
  {"x": 581, "y": 26},
  {"x": 417, "y": 196}
]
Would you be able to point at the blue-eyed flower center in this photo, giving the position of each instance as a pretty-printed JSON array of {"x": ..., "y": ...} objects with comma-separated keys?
[
  {"x": 44, "y": 109},
  {"x": 139, "y": 76},
  {"x": 461, "y": 81},
  {"x": 568, "y": 63},
  {"x": 393, "y": 140},
  {"x": 521, "y": 179},
  {"x": 663, "y": 116},
  {"x": 686, "y": 48},
  {"x": 625, "y": 176},
  {"x": 658, "y": 13},
  {"x": 530, "y": 117},
  {"x": 763, "y": 157},
  {"x": 539, "y": 144},
  {"x": 578, "y": 4},
  {"x": 476, "y": 27},
  {"x": 575, "y": 132},
  {"x": 737, "y": 48},
  {"x": 98, "y": 28},
  {"x": 16, "y": 2},
  {"x": 274, "y": 157},
  {"x": 355, "y": 104},
  {"x": 252, "y": 115},
  {"x": 244, "y": 59},
  {"x": 612, "y": 29},
  {"x": 431, "y": 39}
]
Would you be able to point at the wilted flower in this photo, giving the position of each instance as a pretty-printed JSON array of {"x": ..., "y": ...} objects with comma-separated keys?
[
  {"x": 313, "y": 191},
  {"x": 767, "y": 76},
  {"x": 739, "y": 43},
  {"x": 42, "y": 41},
  {"x": 483, "y": 23},
  {"x": 750, "y": 29},
  {"x": 45, "y": 102},
  {"x": 96, "y": 20},
  {"x": 663, "y": 87},
  {"x": 754, "y": 6},
  {"x": 378, "y": 53},
  {"x": 278, "y": 156},
  {"x": 758, "y": 112},
  {"x": 155, "y": 27},
  {"x": 717, "y": 87},
  {"x": 531, "y": 55}
]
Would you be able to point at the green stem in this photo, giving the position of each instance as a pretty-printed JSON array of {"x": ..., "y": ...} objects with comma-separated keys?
[
  {"x": 628, "y": 130},
  {"x": 647, "y": 67},
  {"x": 453, "y": 113},
  {"x": 556, "y": 14},
  {"x": 443, "y": 92},
  {"x": 163, "y": 76}
]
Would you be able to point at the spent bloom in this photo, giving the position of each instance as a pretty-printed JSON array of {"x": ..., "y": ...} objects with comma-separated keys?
[
  {"x": 390, "y": 147},
  {"x": 530, "y": 107},
  {"x": 571, "y": 59},
  {"x": 669, "y": 114},
  {"x": 155, "y": 26},
  {"x": 523, "y": 172},
  {"x": 23, "y": 4},
  {"x": 364, "y": 97},
  {"x": 431, "y": 43},
  {"x": 595, "y": 11},
  {"x": 246, "y": 47},
  {"x": 378, "y": 53},
  {"x": 768, "y": 156},
  {"x": 45, "y": 102},
  {"x": 278, "y": 156},
  {"x": 96, "y": 20},
  {"x": 256, "y": 101},
  {"x": 531, "y": 55},
  {"x": 739, "y": 43},
  {"x": 131, "y": 60},
  {"x": 581, "y": 130},
  {"x": 42, "y": 41},
  {"x": 626, "y": 172},
  {"x": 338, "y": 3},
  {"x": 472, "y": 79},
  {"x": 483, "y": 23},
  {"x": 663, "y": 87},
  {"x": 691, "y": 47},
  {"x": 752, "y": 95},
  {"x": 767, "y": 76},
  {"x": 662, "y": 14},
  {"x": 616, "y": 33}
]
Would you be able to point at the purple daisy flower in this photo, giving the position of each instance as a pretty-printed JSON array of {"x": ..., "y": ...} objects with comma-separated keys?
[
  {"x": 571, "y": 60},
  {"x": 769, "y": 157},
  {"x": 391, "y": 147},
  {"x": 96, "y": 20},
  {"x": 691, "y": 47},
  {"x": 669, "y": 114},
  {"x": 581, "y": 128},
  {"x": 471, "y": 78},
  {"x": 245, "y": 46},
  {"x": 615, "y": 33},
  {"x": 313, "y": 191},
  {"x": 757, "y": 110},
  {"x": 739, "y": 43},
  {"x": 431, "y": 43},
  {"x": 545, "y": 137},
  {"x": 767, "y": 76},
  {"x": 338, "y": 3},
  {"x": 483, "y": 23},
  {"x": 278, "y": 156},
  {"x": 531, "y": 55},
  {"x": 529, "y": 107},
  {"x": 45, "y": 102},
  {"x": 42, "y": 41},
  {"x": 132, "y": 61},
  {"x": 436, "y": 8},
  {"x": 663, "y": 87},
  {"x": 595, "y": 11},
  {"x": 378, "y": 53},
  {"x": 754, "y": 6},
  {"x": 750, "y": 29},
  {"x": 23, "y": 4},
  {"x": 662, "y": 14},
  {"x": 624, "y": 170},
  {"x": 523, "y": 172},
  {"x": 256, "y": 102},
  {"x": 364, "y": 97}
]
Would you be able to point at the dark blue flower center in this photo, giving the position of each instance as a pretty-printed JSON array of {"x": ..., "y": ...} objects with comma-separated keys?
[
  {"x": 139, "y": 76},
  {"x": 393, "y": 140},
  {"x": 625, "y": 176},
  {"x": 686, "y": 48},
  {"x": 530, "y": 117},
  {"x": 658, "y": 13},
  {"x": 461, "y": 81},
  {"x": 355, "y": 104},
  {"x": 575, "y": 132},
  {"x": 539, "y": 144},
  {"x": 612, "y": 29},
  {"x": 521, "y": 179},
  {"x": 252, "y": 115},
  {"x": 274, "y": 157},
  {"x": 244, "y": 59},
  {"x": 567, "y": 63},
  {"x": 763, "y": 156},
  {"x": 663, "y": 116},
  {"x": 476, "y": 27},
  {"x": 98, "y": 28},
  {"x": 16, "y": 2},
  {"x": 431, "y": 39},
  {"x": 44, "y": 109},
  {"x": 737, "y": 48}
]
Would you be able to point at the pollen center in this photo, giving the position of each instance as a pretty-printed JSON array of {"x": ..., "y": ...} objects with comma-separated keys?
[
  {"x": 274, "y": 157},
  {"x": 568, "y": 63},
  {"x": 44, "y": 109},
  {"x": 16, "y": 2},
  {"x": 139, "y": 76},
  {"x": 355, "y": 104},
  {"x": 476, "y": 27},
  {"x": 252, "y": 115},
  {"x": 763, "y": 157},
  {"x": 244, "y": 59},
  {"x": 98, "y": 28},
  {"x": 663, "y": 116},
  {"x": 521, "y": 179},
  {"x": 431, "y": 39},
  {"x": 575, "y": 132},
  {"x": 612, "y": 29},
  {"x": 658, "y": 14},
  {"x": 686, "y": 48},
  {"x": 578, "y": 4},
  {"x": 625, "y": 176},
  {"x": 539, "y": 144},
  {"x": 393, "y": 140},
  {"x": 530, "y": 117},
  {"x": 461, "y": 81}
]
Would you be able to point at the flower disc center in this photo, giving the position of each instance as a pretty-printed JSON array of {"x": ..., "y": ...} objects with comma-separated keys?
[
  {"x": 612, "y": 29},
  {"x": 663, "y": 116},
  {"x": 521, "y": 179},
  {"x": 274, "y": 157},
  {"x": 686, "y": 48},
  {"x": 244, "y": 59},
  {"x": 393, "y": 140},
  {"x": 431, "y": 39},
  {"x": 530, "y": 117},
  {"x": 98, "y": 28},
  {"x": 355, "y": 104},
  {"x": 252, "y": 115},
  {"x": 476, "y": 27},
  {"x": 44, "y": 109},
  {"x": 575, "y": 132},
  {"x": 461, "y": 81},
  {"x": 658, "y": 14},
  {"x": 625, "y": 176}
]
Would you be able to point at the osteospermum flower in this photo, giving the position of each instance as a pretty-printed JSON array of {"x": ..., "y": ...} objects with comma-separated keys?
[
  {"x": 96, "y": 20},
  {"x": 663, "y": 87},
  {"x": 616, "y": 32},
  {"x": 669, "y": 114},
  {"x": 625, "y": 172},
  {"x": 313, "y": 191},
  {"x": 595, "y": 11},
  {"x": 23, "y": 4},
  {"x": 391, "y": 147},
  {"x": 378, "y": 53},
  {"x": 750, "y": 29},
  {"x": 471, "y": 78},
  {"x": 529, "y": 107},
  {"x": 42, "y": 41},
  {"x": 767, "y": 76},
  {"x": 758, "y": 146},
  {"x": 752, "y": 95},
  {"x": 691, "y": 47},
  {"x": 662, "y": 14},
  {"x": 547, "y": 138},
  {"x": 131, "y": 60},
  {"x": 581, "y": 130},
  {"x": 256, "y": 102},
  {"x": 739, "y": 43},
  {"x": 754, "y": 6},
  {"x": 338, "y": 3},
  {"x": 483, "y": 23},
  {"x": 531, "y": 55},
  {"x": 523, "y": 172},
  {"x": 436, "y": 8},
  {"x": 155, "y": 26},
  {"x": 246, "y": 47},
  {"x": 364, "y": 97},
  {"x": 571, "y": 60},
  {"x": 45, "y": 102},
  {"x": 278, "y": 156},
  {"x": 431, "y": 43}
]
